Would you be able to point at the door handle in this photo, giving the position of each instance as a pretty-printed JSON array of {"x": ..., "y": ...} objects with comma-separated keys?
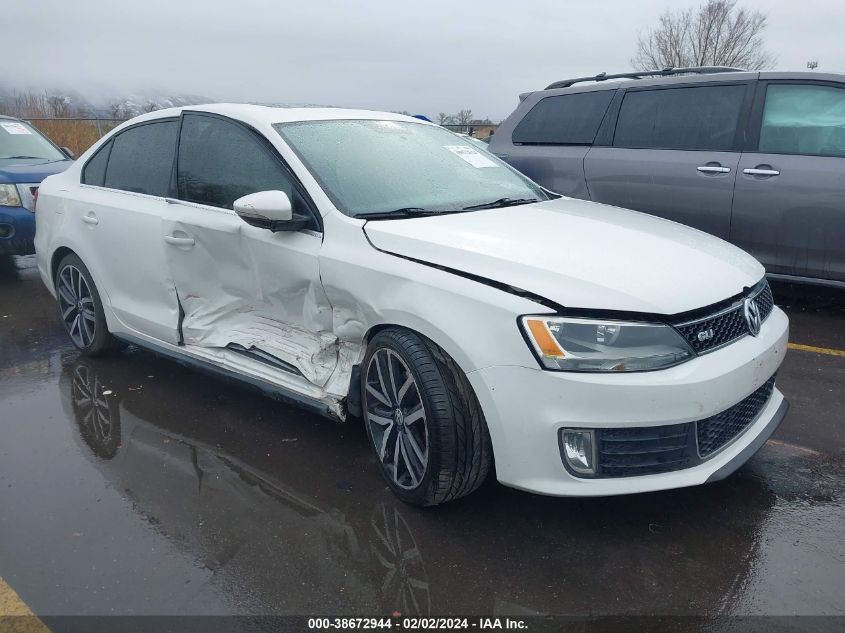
[
  {"x": 179, "y": 241},
  {"x": 714, "y": 169},
  {"x": 761, "y": 172},
  {"x": 90, "y": 219}
]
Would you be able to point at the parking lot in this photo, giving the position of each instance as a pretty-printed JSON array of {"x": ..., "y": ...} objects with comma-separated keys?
[{"x": 132, "y": 485}]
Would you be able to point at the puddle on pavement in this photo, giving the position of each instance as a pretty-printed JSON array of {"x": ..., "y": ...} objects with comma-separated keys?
[{"x": 286, "y": 512}]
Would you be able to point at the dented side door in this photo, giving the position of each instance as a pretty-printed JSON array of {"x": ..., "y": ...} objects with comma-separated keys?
[{"x": 241, "y": 288}]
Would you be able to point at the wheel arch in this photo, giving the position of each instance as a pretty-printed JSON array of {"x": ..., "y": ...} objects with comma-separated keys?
[
  {"x": 426, "y": 330},
  {"x": 58, "y": 255},
  {"x": 353, "y": 400}
]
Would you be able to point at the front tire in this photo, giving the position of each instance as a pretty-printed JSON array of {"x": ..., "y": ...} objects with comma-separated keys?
[
  {"x": 81, "y": 309},
  {"x": 423, "y": 419}
]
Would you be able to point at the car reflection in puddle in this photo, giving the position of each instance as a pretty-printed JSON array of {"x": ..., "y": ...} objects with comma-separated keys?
[
  {"x": 234, "y": 518},
  {"x": 96, "y": 414}
]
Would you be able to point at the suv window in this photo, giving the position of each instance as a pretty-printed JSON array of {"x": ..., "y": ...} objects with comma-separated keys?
[
  {"x": 221, "y": 161},
  {"x": 141, "y": 158},
  {"x": 94, "y": 172},
  {"x": 571, "y": 119},
  {"x": 803, "y": 120},
  {"x": 691, "y": 118}
]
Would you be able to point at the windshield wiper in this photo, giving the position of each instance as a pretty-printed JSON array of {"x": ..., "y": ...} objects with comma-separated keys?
[
  {"x": 501, "y": 202},
  {"x": 404, "y": 212}
]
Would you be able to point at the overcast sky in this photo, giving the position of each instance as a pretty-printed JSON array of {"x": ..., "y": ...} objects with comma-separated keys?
[{"x": 425, "y": 57}]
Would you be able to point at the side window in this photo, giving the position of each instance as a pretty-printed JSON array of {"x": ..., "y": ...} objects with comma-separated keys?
[
  {"x": 803, "y": 120},
  {"x": 570, "y": 119},
  {"x": 693, "y": 118},
  {"x": 94, "y": 172},
  {"x": 220, "y": 161},
  {"x": 141, "y": 159}
]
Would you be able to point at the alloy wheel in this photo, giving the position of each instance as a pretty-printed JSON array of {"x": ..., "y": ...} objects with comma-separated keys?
[
  {"x": 404, "y": 584},
  {"x": 92, "y": 411},
  {"x": 77, "y": 306},
  {"x": 396, "y": 418}
]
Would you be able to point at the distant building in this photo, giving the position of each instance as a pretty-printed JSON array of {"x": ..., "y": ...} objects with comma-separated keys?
[
  {"x": 477, "y": 128},
  {"x": 482, "y": 129}
]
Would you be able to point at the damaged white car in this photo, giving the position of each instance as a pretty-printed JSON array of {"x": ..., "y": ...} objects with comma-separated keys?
[{"x": 375, "y": 265}]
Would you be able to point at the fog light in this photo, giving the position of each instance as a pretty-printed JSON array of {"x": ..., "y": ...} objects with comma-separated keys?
[{"x": 578, "y": 448}]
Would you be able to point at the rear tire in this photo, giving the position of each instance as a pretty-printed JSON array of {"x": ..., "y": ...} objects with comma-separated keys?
[
  {"x": 423, "y": 419},
  {"x": 81, "y": 309}
]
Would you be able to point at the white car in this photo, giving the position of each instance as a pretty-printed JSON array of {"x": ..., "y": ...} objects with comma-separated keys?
[{"x": 375, "y": 265}]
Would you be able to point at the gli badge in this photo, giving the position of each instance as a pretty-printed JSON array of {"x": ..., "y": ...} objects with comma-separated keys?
[
  {"x": 752, "y": 316},
  {"x": 706, "y": 335}
]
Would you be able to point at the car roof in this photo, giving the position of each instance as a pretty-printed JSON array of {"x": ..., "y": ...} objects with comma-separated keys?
[
  {"x": 690, "y": 79},
  {"x": 262, "y": 116},
  {"x": 646, "y": 81}
]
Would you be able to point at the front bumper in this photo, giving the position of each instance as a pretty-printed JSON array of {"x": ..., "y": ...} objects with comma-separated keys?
[
  {"x": 525, "y": 408},
  {"x": 17, "y": 231}
]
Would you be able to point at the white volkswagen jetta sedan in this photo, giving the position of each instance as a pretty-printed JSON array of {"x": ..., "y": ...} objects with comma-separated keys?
[{"x": 370, "y": 264}]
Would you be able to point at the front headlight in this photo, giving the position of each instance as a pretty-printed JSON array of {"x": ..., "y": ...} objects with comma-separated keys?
[
  {"x": 570, "y": 344},
  {"x": 9, "y": 196}
]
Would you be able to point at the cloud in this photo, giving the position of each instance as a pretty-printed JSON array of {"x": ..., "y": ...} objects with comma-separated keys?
[{"x": 421, "y": 57}]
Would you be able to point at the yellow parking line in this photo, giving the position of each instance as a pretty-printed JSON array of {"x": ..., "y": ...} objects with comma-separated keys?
[
  {"x": 15, "y": 616},
  {"x": 794, "y": 447},
  {"x": 817, "y": 350}
]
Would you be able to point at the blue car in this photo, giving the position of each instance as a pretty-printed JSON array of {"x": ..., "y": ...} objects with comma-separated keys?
[{"x": 26, "y": 158}]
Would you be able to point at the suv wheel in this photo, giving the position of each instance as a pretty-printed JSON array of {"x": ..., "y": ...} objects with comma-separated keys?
[
  {"x": 81, "y": 309},
  {"x": 423, "y": 419}
]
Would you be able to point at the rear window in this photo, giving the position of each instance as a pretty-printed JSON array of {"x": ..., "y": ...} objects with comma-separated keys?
[
  {"x": 94, "y": 172},
  {"x": 696, "y": 118},
  {"x": 571, "y": 119},
  {"x": 804, "y": 119},
  {"x": 141, "y": 159}
]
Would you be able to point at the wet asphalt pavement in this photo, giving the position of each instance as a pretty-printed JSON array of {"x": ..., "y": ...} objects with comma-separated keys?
[{"x": 132, "y": 485}]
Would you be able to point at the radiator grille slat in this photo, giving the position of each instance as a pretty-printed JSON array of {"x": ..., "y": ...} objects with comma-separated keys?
[
  {"x": 724, "y": 327},
  {"x": 716, "y": 431},
  {"x": 636, "y": 451}
]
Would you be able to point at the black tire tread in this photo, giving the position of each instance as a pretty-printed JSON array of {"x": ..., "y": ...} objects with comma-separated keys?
[{"x": 465, "y": 461}]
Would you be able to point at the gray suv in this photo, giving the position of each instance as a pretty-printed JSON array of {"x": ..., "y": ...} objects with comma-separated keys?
[{"x": 756, "y": 158}]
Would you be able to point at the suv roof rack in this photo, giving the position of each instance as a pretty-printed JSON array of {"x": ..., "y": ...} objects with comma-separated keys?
[{"x": 669, "y": 70}]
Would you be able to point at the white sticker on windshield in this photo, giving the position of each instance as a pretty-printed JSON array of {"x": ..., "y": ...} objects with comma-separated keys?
[
  {"x": 473, "y": 157},
  {"x": 13, "y": 127}
]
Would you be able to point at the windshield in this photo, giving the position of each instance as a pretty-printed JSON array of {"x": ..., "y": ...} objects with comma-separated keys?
[
  {"x": 375, "y": 167},
  {"x": 19, "y": 140}
]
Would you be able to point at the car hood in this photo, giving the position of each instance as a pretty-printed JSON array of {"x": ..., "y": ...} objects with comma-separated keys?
[
  {"x": 579, "y": 254},
  {"x": 32, "y": 172}
]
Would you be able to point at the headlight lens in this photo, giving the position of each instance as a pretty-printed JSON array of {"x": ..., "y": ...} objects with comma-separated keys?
[
  {"x": 569, "y": 344},
  {"x": 9, "y": 196}
]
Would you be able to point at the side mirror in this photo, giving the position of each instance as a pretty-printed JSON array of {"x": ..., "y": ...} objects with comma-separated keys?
[
  {"x": 68, "y": 152},
  {"x": 270, "y": 210}
]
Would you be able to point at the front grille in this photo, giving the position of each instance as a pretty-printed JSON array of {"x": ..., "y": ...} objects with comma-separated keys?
[
  {"x": 647, "y": 450},
  {"x": 715, "y": 432},
  {"x": 725, "y": 326},
  {"x": 765, "y": 301}
]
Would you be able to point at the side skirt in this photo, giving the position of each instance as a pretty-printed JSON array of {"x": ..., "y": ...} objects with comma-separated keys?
[{"x": 275, "y": 391}]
